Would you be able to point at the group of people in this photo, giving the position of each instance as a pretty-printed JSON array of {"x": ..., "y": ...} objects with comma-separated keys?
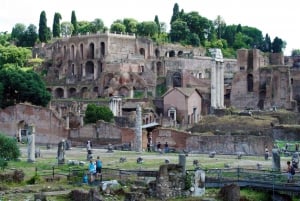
[
  {"x": 159, "y": 147},
  {"x": 95, "y": 168}
]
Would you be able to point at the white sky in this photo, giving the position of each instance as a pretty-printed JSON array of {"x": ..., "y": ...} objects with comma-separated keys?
[{"x": 277, "y": 18}]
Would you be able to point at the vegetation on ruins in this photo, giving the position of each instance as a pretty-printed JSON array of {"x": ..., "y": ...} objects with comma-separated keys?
[
  {"x": 22, "y": 85},
  {"x": 24, "y": 37},
  {"x": 9, "y": 150},
  {"x": 185, "y": 28},
  {"x": 94, "y": 113}
]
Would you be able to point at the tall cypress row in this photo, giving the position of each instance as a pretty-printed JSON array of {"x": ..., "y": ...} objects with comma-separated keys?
[
  {"x": 74, "y": 23},
  {"x": 56, "y": 25},
  {"x": 43, "y": 29}
]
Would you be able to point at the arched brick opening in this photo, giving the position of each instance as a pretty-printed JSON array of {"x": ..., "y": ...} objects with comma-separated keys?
[
  {"x": 176, "y": 79},
  {"x": 142, "y": 52},
  {"x": 83, "y": 92},
  {"x": 81, "y": 50},
  {"x": 72, "y": 92},
  {"x": 102, "y": 48},
  {"x": 72, "y": 52},
  {"x": 250, "y": 82},
  {"x": 157, "y": 53},
  {"x": 59, "y": 93},
  {"x": 91, "y": 54},
  {"x": 89, "y": 69}
]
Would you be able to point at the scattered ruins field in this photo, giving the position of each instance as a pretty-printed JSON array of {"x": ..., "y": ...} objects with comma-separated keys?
[{"x": 152, "y": 161}]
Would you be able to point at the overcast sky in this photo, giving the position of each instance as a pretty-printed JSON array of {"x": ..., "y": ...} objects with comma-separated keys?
[{"x": 277, "y": 18}]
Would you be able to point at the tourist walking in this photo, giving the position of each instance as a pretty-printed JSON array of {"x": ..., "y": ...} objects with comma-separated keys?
[
  {"x": 166, "y": 147},
  {"x": 99, "y": 168},
  {"x": 266, "y": 153},
  {"x": 290, "y": 171},
  {"x": 158, "y": 146}
]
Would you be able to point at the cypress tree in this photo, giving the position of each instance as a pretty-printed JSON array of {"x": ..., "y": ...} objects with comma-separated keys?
[
  {"x": 56, "y": 25},
  {"x": 43, "y": 29},
  {"x": 157, "y": 23},
  {"x": 176, "y": 13},
  {"x": 74, "y": 23}
]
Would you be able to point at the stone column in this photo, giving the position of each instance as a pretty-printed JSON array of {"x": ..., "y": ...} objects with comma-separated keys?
[
  {"x": 31, "y": 143},
  {"x": 138, "y": 129},
  {"x": 217, "y": 85},
  {"x": 182, "y": 161},
  {"x": 221, "y": 85},
  {"x": 276, "y": 160},
  {"x": 67, "y": 122},
  {"x": 81, "y": 120},
  {"x": 217, "y": 79},
  {"x": 213, "y": 86}
]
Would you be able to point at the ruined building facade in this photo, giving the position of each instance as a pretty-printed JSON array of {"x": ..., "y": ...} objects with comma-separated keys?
[
  {"x": 262, "y": 82},
  {"x": 104, "y": 65}
]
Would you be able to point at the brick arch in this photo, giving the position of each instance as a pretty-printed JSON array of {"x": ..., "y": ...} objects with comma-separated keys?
[
  {"x": 72, "y": 92},
  {"x": 157, "y": 53},
  {"x": 89, "y": 69},
  {"x": 83, "y": 92},
  {"x": 91, "y": 51},
  {"x": 72, "y": 51},
  {"x": 59, "y": 92},
  {"x": 177, "y": 79}
]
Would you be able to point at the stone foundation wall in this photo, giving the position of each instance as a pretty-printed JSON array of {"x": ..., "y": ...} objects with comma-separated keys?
[{"x": 49, "y": 127}]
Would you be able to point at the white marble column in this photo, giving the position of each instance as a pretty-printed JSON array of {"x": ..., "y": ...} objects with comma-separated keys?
[
  {"x": 31, "y": 143},
  {"x": 213, "y": 86}
]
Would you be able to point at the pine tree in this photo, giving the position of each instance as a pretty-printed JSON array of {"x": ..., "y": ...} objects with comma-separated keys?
[
  {"x": 74, "y": 23},
  {"x": 43, "y": 29},
  {"x": 56, "y": 25}
]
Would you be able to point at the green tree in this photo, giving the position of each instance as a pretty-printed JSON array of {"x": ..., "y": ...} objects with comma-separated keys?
[
  {"x": 74, "y": 23},
  {"x": 56, "y": 25},
  {"x": 14, "y": 55},
  {"x": 29, "y": 37},
  {"x": 176, "y": 13},
  {"x": 193, "y": 39},
  {"x": 179, "y": 31},
  {"x": 147, "y": 29},
  {"x": 241, "y": 41},
  {"x": 277, "y": 45},
  {"x": 43, "y": 29},
  {"x": 94, "y": 113},
  {"x": 229, "y": 34},
  {"x": 4, "y": 38},
  {"x": 295, "y": 52},
  {"x": 67, "y": 29},
  {"x": 220, "y": 25},
  {"x": 9, "y": 149},
  {"x": 96, "y": 25},
  {"x": 17, "y": 33},
  {"x": 22, "y": 85},
  {"x": 131, "y": 25},
  {"x": 156, "y": 20},
  {"x": 117, "y": 27},
  {"x": 255, "y": 35},
  {"x": 267, "y": 44},
  {"x": 84, "y": 27}
]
